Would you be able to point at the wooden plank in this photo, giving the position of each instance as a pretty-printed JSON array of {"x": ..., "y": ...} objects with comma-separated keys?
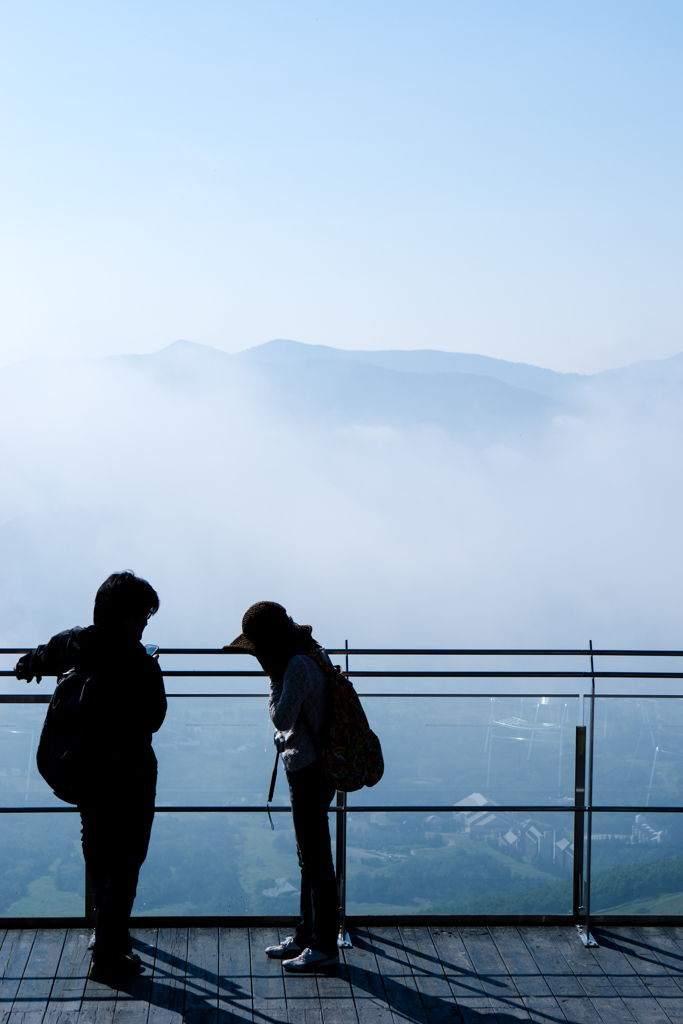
[
  {"x": 4, "y": 1013},
  {"x": 369, "y": 995},
  {"x": 234, "y": 976},
  {"x": 675, "y": 932},
  {"x": 99, "y": 1003},
  {"x": 525, "y": 975},
  {"x": 14, "y": 955},
  {"x": 563, "y": 984},
  {"x": 674, "y": 935},
  {"x": 428, "y": 974},
  {"x": 267, "y": 985},
  {"x": 623, "y": 974},
  {"x": 133, "y": 998},
  {"x": 168, "y": 985},
  {"x": 34, "y": 989},
  {"x": 644, "y": 962},
  {"x": 467, "y": 987},
  {"x": 336, "y": 996},
  {"x": 490, "y": 968},
  {"x": 395, "y": 971},
  {"x": 671, "y": 957},
  {"x": 666, "y": 950},
  {"x": 650, "y": 990},
  {"x": 301, "y": 994},
  {"x": 65, "y": 999},
  {"x": 604, "y": 974},
  {"x": 201, "y": 978}
]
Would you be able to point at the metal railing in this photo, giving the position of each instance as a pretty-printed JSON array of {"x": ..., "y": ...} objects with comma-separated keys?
[{"x": 583, "y": 807}]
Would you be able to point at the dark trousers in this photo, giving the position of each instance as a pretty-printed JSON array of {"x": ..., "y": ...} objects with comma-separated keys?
[
  {"x": 116, "y": 827},
  {"x": 311, "y": 793}
]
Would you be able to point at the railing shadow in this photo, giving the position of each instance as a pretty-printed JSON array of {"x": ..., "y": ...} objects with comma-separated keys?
[
  {"x": 639, "y": 949},
  {"x": 195, "y": 995}
]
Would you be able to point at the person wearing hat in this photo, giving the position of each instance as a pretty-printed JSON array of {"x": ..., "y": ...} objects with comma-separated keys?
[{"x": 298, "y": 692}]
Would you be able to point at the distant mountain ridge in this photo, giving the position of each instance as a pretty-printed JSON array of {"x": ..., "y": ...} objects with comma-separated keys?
[
  {"x": 286, "y": 381},
  {"x": 425, "y": 361}
]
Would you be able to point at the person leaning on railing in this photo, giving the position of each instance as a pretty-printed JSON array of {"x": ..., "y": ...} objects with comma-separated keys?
[
  {"x": 298, "y": 692},
  {"x": 115, "y": 787}
]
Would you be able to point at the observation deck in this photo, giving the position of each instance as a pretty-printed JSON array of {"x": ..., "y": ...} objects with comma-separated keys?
[
  {"x": 522, "y": 788},
  {"x": 435, "y": 975}
]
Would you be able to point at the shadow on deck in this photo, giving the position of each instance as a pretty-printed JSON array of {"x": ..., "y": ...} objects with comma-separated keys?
[{"x": 416, "y": 974}]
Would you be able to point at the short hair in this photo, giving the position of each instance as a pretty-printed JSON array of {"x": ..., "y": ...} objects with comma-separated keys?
[{"x": 123, "y": 594}]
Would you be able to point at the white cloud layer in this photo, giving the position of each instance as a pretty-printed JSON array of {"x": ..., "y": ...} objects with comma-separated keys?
[{"x": 211, "y": 476}]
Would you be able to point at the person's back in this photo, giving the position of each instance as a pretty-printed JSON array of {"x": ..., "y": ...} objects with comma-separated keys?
[
  {"x": 128, "y": 696},
  {"x": 116, "y": 786}
]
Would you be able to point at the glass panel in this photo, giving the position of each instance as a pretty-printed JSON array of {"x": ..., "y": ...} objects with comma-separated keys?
[
  {"x": 464, "y": 863},
  {"x": 638, "y": 751},
  {"x": 221, "y": 863},
  {"x": 41, "y": 866},
  {"x": 477, "y": 749},
  {"x": 217, "y": 752},
  {"x": 637, "y": 864},
  {"x": 20, "y": 783}
]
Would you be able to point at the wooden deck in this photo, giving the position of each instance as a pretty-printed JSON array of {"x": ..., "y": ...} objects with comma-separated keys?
[{"x": 422, "y": 975}]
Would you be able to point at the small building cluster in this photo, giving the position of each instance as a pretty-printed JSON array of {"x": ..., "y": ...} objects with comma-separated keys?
[{"x": 522, "y": 839}]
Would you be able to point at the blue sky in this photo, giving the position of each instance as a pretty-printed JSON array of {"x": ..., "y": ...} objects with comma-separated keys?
[{"x": 494, "y": 177}]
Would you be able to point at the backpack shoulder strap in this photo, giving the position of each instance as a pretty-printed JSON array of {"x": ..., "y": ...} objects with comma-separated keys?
[{"x": 319, "y": 657}]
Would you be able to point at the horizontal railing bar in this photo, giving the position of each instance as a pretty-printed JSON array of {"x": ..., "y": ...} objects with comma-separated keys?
[
  {"x": 472, "y": 674},
  {"x": 512, "y": 675},
  {"x": 452, "y": 675},
  {"x": 419, "y": 651},
  {"x": 498, "y": 651},
  {"x": 25, "y": 698},
  {"x": 516, "y": 651},
  {"x": 496, "y": 808},
  {"x": 362, "y": 694},
  {"x": 38, "y": 810},
  {"x": 44, "y": 698},
  {"x": 376, "y": 809}
]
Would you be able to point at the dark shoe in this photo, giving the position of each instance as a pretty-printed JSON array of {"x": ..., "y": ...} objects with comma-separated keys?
[
  {"x": 310, "y": 962},
  {"x": 286, "y": 950},
  {"x": 112, "y": 971}
]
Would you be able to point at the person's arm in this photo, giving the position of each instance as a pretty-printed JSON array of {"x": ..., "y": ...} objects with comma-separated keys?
[
  {"x": 286, "y": 697},
  {"x": 46, "y": 660}
]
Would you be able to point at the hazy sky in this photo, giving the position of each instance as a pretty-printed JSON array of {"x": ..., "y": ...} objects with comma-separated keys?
[{"x": 487, "y": 176}]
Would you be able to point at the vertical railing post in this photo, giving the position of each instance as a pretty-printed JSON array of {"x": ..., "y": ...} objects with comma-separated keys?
[
  {"x": 341, "y": 863},
  {"x": 343, "y": 938},
  {"x": 584, "y": 903},
  {"x": 579, "y": 801}
]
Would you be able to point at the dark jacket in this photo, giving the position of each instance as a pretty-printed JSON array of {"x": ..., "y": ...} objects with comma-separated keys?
[{"x": 130, "y": 700}]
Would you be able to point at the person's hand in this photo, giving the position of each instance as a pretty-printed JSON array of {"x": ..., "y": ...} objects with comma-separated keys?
[{"x": 22, "y": 670}]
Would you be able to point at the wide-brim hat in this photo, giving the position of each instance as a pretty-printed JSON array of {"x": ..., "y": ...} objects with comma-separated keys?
[{"x": 266, "y": 624}]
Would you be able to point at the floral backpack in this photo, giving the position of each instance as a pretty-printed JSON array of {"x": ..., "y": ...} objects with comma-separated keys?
[{"x": 350, "y": 751}]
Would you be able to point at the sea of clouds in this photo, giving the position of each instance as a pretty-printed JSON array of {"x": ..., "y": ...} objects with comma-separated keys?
[{"x": 225, "y": 480}]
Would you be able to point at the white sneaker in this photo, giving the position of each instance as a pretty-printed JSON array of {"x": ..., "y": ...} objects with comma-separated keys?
[
  {"x": 311, "y": 961},
  {"x": 287, "y": 948}
]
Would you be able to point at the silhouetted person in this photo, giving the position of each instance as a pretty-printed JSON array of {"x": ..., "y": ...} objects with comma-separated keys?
[
  {"x": 298, "y": 696},
  {"x": 115, "y": 795}
]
